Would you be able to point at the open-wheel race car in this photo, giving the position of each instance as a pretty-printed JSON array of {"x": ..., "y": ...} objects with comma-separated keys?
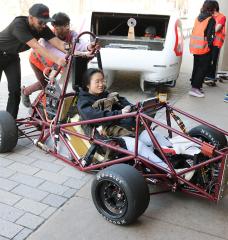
[{"x": 194, "y": 161}]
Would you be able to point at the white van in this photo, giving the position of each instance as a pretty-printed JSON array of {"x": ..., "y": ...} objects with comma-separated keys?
[{"x": 158, "y": 59}]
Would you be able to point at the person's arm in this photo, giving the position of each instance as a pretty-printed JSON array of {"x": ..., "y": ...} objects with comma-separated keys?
[
  {"x": 57, "y": 43},
  {"x": 88, "y": 112},
  {"x": 220, "y": 24},
  {"x": 34, "y": 44},
  {"x": 218, "y": 27},
  {"x": 21, "y": 33},
  {"x": 124, "y": 102},
  {"x": 210, "y": 32}
]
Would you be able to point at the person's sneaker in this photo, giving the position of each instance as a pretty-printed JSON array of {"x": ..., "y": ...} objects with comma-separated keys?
[
  {"x": 196, "y": 93},
  {"x": 226, "y": 98},
  {"x": 25, "y": 99},
  {"x": 210, "y": 81}
]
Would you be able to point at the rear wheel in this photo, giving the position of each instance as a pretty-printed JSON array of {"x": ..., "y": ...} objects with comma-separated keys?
[
  {"x": 209, "y": 135},
  {"x": 8, "y": 132},
  {"x": 120, "y": 194},
  {"x": 207, "y": 176}
]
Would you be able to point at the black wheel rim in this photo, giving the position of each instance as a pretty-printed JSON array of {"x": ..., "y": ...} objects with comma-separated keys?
[{"x": 111, "y": 199}]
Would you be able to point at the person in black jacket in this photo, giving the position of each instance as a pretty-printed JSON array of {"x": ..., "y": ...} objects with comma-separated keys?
[
  {"x": 93, "y": 90},
  {"x": 22, "y": 34},
  {"x": 89, "y": 107}
]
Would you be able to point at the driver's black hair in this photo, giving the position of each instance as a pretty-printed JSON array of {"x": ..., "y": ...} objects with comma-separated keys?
[
  {"x": 60, "y": 19},
  {"x": 87, "y": 77}
]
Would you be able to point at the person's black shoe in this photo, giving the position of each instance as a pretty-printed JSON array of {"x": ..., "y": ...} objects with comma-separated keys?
[{"x": 25, "y": 99}]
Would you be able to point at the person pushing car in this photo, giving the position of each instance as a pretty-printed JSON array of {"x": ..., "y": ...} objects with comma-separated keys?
[{"x": 20, "y": 35}]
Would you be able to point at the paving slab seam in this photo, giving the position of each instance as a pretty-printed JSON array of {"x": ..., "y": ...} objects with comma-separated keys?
[{"x": 45, "y": 220}]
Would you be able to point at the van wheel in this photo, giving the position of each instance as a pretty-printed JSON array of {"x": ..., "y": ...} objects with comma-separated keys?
[
  {"x": 8, "y": 132},
  {"x": 120, "y": 194},
  {"x": 209, "y": 135}
]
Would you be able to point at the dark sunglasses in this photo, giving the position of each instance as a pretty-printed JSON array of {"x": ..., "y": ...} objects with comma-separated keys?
[{"x": 41, "y": 22}]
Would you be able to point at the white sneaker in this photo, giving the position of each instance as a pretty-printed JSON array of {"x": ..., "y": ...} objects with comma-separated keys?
[{"x": 196, "y": 93}]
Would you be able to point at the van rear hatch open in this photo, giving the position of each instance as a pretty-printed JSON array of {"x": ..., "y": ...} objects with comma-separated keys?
[{"x": 112, "y": 30}]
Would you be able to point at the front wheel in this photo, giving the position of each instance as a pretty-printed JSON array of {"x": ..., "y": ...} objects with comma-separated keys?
[
  {"x": 8, "y": 132},
  {"x": 120, "y": 194}
]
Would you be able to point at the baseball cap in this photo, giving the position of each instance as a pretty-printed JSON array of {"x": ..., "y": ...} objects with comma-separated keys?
[{"x": 41, "y": 12}]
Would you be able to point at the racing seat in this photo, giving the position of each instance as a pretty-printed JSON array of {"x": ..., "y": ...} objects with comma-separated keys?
[
  {"x": 79, "y": 67},
  {"x": 82, "y": 148}
]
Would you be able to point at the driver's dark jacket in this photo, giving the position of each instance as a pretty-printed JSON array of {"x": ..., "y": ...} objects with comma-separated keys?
[{"x": 87, "y": 112}]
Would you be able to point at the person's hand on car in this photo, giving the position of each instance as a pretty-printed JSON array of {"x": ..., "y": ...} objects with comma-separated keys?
[
  {"x": 126, "y": 109},
  {"x": 92, "y": 47}
]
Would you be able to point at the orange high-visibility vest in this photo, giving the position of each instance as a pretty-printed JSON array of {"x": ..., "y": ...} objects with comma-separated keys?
[
  {"x": 219, "y": 36},
  {"x": 198, "y": 42},
  {"x": 39, "y": 61}
]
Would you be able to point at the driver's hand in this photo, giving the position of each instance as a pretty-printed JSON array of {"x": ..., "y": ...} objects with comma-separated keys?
[
  {"x": 126, "y": 109},
  {"x": 61, "y": 62}
]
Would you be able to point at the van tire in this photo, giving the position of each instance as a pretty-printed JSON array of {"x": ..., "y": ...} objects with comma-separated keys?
[
  {"x": 8, "y": 132},
  {"x": 120, "y": 194}
]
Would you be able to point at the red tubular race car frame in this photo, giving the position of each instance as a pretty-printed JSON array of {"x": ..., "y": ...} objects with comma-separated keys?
[{"x": 36, "y": 125}]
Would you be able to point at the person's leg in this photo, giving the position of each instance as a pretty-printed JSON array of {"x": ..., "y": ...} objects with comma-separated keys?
[
  {"x": 41, "y": 83},
  {"x": 144, "y": 151},
  {"x": 145, "y": 138},
  {"x": 211, "y": 71},
  {"x": 13, "y": 75},
  {"x": 204, "y": 62},
  {"x": 197, "y": 72},
  {"x": 200, "y": 72},
  {"x": 27, "y": 91},
  {"x": 194, "y": 67}
]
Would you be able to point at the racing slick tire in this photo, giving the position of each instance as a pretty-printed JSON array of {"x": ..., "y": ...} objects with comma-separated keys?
[
  {"x": 209, "y": 135},
  {"x": 120, "y": 194},
  {"x": 8, "y": 132}
]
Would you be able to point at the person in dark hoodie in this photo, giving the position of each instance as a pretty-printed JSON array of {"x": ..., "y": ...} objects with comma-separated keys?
[
  {"x": 95, "y": 102},
  {"x": 92, "y": 91},
  {"x": 220, "y": 33},
  {"x": 201, "y": 42}
]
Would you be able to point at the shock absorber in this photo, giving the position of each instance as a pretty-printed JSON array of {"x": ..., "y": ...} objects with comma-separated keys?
[{"x": 178, "y": 121}]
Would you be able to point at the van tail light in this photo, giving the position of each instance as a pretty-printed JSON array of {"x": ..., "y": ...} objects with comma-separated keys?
[{"x": 179, "y": 43}]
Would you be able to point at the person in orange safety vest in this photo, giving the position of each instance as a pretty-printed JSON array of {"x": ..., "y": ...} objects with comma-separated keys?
[
  {"x": 61, "y": 28},
  {"x": 220, "y": 33},
  {"x": 201, "y": 41}
]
